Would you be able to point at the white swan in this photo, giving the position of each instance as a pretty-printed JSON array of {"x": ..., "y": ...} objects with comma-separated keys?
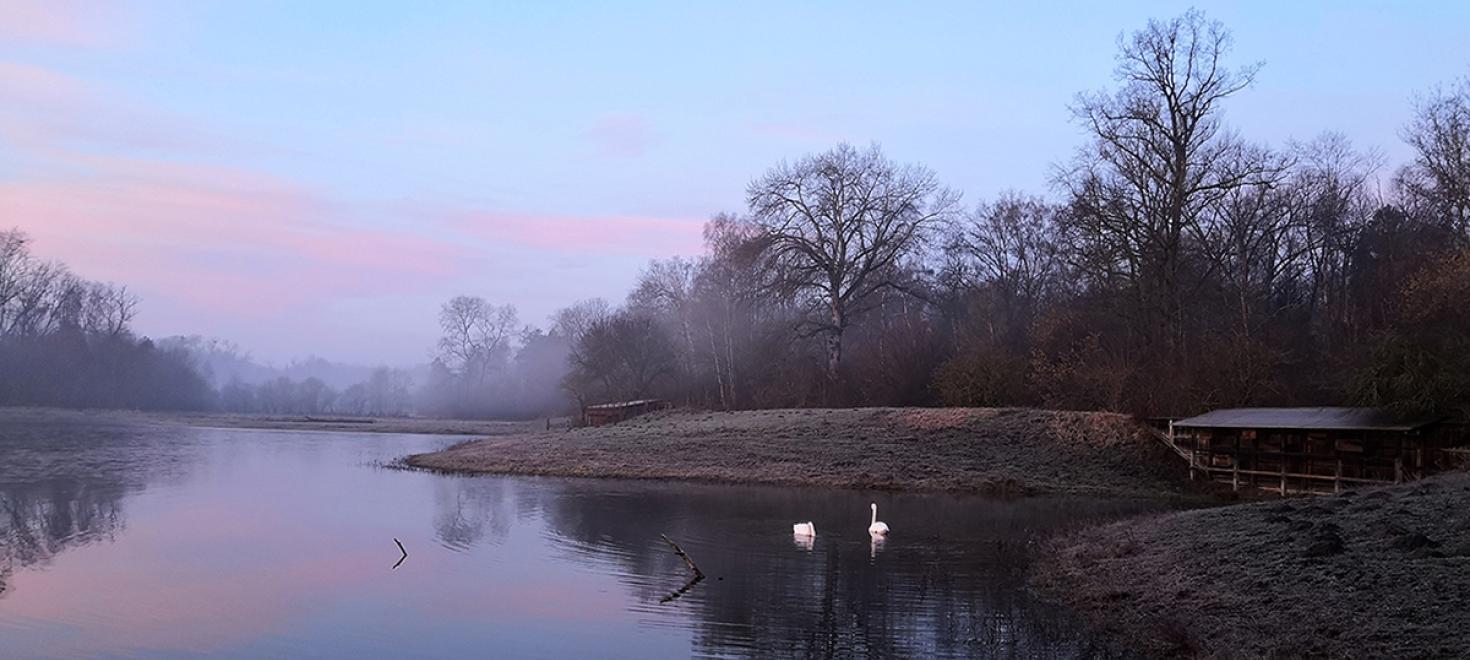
[
  {"x": 877, "y": 528},
  {"x": 804, "y": 535}
]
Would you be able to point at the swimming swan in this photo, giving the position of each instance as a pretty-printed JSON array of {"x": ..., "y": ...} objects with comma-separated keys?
[
  {"x": 804, "y": 529},
  {"x": 877, "y": 528}
]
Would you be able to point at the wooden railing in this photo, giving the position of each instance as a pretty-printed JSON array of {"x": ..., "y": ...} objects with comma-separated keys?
[{"x": 1232, "y": 474}]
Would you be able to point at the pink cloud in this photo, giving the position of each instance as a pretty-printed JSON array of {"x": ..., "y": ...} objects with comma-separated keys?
[
  {"x": 60, "y": 22},
  {"x": 622, "y": 135},
  {"x": 23, "y": 82},
  {"x": 207, "y": 242},
  {"x": 227, "y": 241}
]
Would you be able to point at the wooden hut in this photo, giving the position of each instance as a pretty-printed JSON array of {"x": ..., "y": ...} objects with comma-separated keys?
[
  {"x": 612, "y": 413},
  {"x": 1310, "y": 450}
]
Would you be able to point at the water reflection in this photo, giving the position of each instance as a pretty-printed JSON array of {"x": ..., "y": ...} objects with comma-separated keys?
[
  {"x": 48, "y": 506},
  {"x": 165, "y": 541},
  {"x": 951, "y": 582},
  {"x": 41, "y": 520},
  {"x": 464, "y": 516}
]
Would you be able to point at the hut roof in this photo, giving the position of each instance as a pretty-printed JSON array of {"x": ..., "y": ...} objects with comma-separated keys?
[{"x": 1325, "y": 419}]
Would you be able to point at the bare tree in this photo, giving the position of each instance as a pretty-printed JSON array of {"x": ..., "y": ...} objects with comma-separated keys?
[
  {"x": 1011, "y": 246},
  {"x": 31, "y": 290},
  {"x": 574, "y": 320},
  {"x": 476, "y": 336},
  {"x": 573, "y": 323},
  {"x": 15, "y": 259},
  {"x": 109, "y": 309},
  {"x": 1160, "y": 161},
  {"x": 1440, "y": 136},
  {"x": 666, "y": 289},
  {"x": 836, "y": 225},
  {"x": 624, "y": 356},
  {"x": 726, "y": 289}
]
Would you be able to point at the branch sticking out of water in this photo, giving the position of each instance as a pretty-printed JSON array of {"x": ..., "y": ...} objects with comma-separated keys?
[
  {"x": 682, "y": 555},
  {"x": 400, "y": 549},
  {"x": 698, "y": 574}
]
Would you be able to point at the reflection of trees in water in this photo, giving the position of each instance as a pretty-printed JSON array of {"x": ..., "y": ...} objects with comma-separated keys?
[
  {"x": 38, "y": 521},
  {"x": 950, "y": 582},
  {"x": 467, "y": 509},
  {"x": 63, "y": 481}
]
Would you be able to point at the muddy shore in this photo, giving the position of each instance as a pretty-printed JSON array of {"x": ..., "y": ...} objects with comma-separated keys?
[
  {"x": 1372, "y": 573},
  {"x": 1010, "y": 451}
]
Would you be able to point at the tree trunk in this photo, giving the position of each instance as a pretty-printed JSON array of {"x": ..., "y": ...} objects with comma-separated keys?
[{"x": 834, "y": 353}]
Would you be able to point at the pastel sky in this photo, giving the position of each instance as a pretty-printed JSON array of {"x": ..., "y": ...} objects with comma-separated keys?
[{"x": 317, "y": 177}]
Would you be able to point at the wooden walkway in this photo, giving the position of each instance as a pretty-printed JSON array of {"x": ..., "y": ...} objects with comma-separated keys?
[{"x": 1280, "y": 481}]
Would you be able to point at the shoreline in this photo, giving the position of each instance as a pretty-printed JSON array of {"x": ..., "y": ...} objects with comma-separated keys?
[
  {"x": 1373, "y": 572},
  {"x": 954, "y": 450}
]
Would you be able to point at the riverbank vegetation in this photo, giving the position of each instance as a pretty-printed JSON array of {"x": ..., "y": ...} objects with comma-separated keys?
[
  {"x": 67, "y": 341},
  {"x": 975, "y": 450},
  {"x": 1175, "y": 265},
  {"x": 1373, "y": 573}
]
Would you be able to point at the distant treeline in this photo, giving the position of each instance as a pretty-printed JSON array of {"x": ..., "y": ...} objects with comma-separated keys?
[
  {"x": 306, "y": 387},
  {"x": 66, "y": 341},
  {"x": 1175, "y": 266}
]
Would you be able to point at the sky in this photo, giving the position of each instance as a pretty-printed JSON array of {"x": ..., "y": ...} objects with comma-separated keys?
[{"x": 316, "y": 178}]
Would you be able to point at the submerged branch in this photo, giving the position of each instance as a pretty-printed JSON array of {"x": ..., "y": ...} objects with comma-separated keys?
[
  {"x": 682, "y": 555},
  {"x": 695, "y": 579}
]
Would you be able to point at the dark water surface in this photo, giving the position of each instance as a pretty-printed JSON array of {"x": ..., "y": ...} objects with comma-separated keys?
[{"x": 127, "y": 541}]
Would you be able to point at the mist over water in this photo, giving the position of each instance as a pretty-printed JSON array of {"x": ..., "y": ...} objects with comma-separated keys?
[{"x": 162, "y": 541}]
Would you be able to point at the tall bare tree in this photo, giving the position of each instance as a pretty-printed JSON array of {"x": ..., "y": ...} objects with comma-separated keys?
[
  {"x": 836, "y": 226},
  {"x": 1160, "y": 160},
  {"x": 1440, "y": 136},
  {"x": 573, "y": 322},
  {"x": 666, "y": 288},
  {"x": 476, "y": 336}
]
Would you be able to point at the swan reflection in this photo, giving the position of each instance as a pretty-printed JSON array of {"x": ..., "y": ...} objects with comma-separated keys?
[{"x": 876, "y": 546}]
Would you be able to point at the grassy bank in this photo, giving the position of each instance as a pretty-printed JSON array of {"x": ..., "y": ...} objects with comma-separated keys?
[
  {"x": 1382, "y": 572},
  {"x": 959, "y": 450}
]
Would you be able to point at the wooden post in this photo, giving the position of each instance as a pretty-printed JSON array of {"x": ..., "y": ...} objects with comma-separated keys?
[
  {"x": 1337, "y": 480},
  {"x": 1235, "y": 473},
  {"x": 1283, "y": 473}
]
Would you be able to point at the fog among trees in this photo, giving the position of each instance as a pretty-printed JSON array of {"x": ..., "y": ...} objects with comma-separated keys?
[{"x": 1173, "y": 265}]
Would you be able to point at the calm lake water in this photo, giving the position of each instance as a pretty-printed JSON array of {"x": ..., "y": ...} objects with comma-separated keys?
[{"x": 126, "y": 541}]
